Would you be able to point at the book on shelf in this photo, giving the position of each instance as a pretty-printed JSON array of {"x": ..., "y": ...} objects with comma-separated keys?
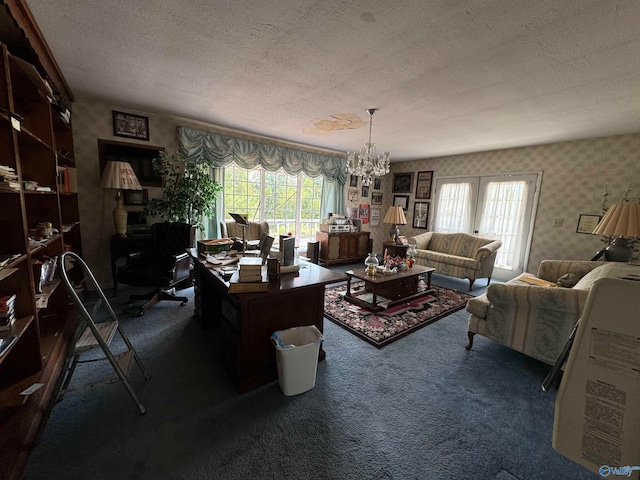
[{"x": 67, "y": 179}]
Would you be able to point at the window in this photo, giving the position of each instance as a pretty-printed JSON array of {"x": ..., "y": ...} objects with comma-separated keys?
[{"x": 288, "y": 203}]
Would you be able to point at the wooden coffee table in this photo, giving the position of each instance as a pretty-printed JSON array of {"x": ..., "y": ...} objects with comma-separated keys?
[{"x": 397, "y": 287}]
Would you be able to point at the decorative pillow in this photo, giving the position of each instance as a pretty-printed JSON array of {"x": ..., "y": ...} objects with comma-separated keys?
[{"x": 568, "y": 280}]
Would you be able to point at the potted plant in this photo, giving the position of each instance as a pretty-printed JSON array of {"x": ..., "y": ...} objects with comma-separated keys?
[{"x": 188, "y": 190}]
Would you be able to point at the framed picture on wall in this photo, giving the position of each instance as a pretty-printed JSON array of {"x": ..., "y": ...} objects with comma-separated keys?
[
  {"x": 374, "y": 220},
  {"x": 420, "y": 215},
  {"x": 377, "y": 183},
  {"x": 135, "y": 197},
  {"x": 365, "y": 191},
  {"x": 376, "y": 198},
  {"x": 130, "y": 125},
  {"x": 587, "y": 223},
  {"x": 402, "y": 182},
  {"x": 401, "y": 201},
  {"x": 423, "y": 184},
  {"x": 352, "y": 195},
  {"x": 353, "y": 181}
]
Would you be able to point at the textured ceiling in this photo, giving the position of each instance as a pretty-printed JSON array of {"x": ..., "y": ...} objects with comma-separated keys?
[{"x": 447, "y": 76}]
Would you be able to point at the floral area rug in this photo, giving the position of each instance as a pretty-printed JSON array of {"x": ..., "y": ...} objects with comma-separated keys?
[{"x": 386, "y": 326}]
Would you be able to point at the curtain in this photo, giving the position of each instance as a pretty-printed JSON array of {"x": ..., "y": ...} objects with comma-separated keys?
[
  {"x": 223, "y": 150},
  {"x": 502, "y": 218},
  {"x": 454, "y": 208}
]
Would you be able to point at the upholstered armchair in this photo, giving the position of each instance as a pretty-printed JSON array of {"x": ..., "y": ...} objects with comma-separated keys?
[{"x": 255, "y": 230}]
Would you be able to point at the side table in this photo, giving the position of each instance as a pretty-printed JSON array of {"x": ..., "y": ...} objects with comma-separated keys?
[{"x": 395, "y": 250}]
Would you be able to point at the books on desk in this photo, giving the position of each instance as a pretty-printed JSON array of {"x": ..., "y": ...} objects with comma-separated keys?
[
  {"x": 250, "y": 269},
  {"x": 252, "y": 280}
]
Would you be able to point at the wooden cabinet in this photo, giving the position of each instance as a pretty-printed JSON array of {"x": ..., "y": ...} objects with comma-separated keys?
[
  {"x": 35, "y": 142},
  {"x": 343, "y": 247},
  {"x": 395, "y": 250}
]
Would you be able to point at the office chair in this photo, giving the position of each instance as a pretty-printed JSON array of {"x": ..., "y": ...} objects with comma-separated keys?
[
  {"x": 164, "y": 267},
  {"x": 90, "y": 335}
]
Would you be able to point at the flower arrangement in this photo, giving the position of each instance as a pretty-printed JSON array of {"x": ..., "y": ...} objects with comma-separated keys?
[{"x": 397, "y": 263}]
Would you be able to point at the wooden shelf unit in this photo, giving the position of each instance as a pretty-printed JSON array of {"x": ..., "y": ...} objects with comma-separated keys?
[{"x": 34, "y": 140}]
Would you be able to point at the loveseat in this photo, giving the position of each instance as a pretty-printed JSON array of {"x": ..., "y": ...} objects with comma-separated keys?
[
  {"x": 457, "y": 254},
  {"x": 533, "y": 314}
]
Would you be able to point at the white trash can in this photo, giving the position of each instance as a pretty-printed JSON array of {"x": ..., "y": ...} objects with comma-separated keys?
[{"x": 297, "y": 356}]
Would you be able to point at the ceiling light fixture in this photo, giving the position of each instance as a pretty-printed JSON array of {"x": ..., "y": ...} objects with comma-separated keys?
[{"x": 368, "y": 163}]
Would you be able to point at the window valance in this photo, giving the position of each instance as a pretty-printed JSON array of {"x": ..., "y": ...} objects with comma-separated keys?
[{"x": 223, "y": 150}]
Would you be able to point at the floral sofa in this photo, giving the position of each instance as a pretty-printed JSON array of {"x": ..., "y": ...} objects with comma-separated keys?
[
  {"x": 533, "y": 314},
  {"x": 457, "y": 254}
]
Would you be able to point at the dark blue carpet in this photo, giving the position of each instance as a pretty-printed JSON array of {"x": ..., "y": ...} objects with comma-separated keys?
[{"x": 420, "y": 408}]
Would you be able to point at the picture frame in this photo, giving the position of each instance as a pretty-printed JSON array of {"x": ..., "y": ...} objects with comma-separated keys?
[
  {"x": 352, "y": 195},
  {"x": 363, "y": 213},
  {"x": 402, "y": 182},
  {"x": 587, "y": 223},
  {"x": 421, "y": 215},
  {"x": 376, "y": 198},
  {"x": 374, "y": 219},
  {"x": 353, "y": 181},
  {"x": 130, "y": 125},
  {"x": 352, "y": 212},
  {"x": 136, "y": 197},
  {"x": 423, "y": 184},
  {"x": 377, "y": 183},
  {"x": 365, "y": 191},
  {"x": 401, "y": 201}
]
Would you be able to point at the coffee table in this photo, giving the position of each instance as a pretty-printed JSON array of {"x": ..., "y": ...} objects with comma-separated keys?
[{"x": 398, "y": 287}]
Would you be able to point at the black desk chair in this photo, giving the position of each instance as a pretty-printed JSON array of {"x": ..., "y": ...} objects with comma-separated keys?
[{"x": 164, "y": 267}]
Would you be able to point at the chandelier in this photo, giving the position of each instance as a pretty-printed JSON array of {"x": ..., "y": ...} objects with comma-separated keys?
[{"x": 368, "y": 163}]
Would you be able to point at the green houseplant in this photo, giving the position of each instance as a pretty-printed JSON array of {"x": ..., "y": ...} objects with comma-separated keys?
[{"x": 188, "y": 190}]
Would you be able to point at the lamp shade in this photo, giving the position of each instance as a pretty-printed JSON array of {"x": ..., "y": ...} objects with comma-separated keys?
[
  {"x": 396, "y": 216},
  {"x": 119, "y": 175},
  {"x": 621, "y": 220}
]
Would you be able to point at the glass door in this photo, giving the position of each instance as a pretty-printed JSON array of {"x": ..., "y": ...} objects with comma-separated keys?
[{"x": 499, "y": 207}]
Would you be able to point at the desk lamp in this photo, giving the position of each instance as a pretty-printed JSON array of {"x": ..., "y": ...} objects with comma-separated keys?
[
  {"x": 119, "y": 176},
  {"x": 623, "y": 222},
  {"x": 395, "y": 216}
]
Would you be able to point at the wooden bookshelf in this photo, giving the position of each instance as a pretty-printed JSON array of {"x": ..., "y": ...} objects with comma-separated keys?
[{"x": 36, "y": 138}]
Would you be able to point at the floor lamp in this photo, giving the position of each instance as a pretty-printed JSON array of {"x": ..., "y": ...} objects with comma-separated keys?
[{"x": 119, "y": 176}]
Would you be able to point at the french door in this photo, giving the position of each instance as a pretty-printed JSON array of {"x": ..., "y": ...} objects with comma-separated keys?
[{"x": 499, "y": 206}]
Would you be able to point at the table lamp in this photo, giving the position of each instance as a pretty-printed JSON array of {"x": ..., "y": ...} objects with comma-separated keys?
[
  {"x": 395, "y": 216},
  {"x": 119, "y": 176},
  {"x": 623, "y": 222}
]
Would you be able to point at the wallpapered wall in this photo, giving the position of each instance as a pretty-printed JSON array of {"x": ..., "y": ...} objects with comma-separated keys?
[
  {"x": 573, "y": 181},
  {"x": 574, "y": 175}
]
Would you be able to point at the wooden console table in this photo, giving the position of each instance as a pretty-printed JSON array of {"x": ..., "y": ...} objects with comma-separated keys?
[{"x": 247, "y": 320}]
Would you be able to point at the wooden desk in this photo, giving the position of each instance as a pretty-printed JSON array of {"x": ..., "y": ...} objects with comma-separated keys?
[
  {"x": 246, "y": 321},
  {"x": 120, "y": 247}
]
